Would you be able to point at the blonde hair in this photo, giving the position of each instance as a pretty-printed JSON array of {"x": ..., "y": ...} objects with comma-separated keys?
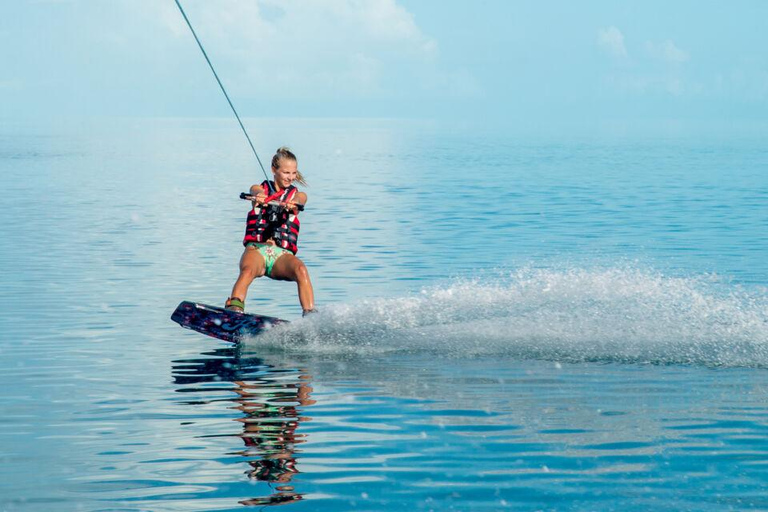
[{"x": 285, "y": 153}]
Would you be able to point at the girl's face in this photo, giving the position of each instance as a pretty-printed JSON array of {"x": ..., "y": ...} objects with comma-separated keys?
[{"x": 286, "y": 173}]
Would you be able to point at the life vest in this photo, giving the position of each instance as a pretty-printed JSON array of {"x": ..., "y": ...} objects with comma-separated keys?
[{"x": 266, "y": 222}]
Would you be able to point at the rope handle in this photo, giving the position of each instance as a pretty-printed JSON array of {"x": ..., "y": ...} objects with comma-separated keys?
[{"x": 250, "y": 197}]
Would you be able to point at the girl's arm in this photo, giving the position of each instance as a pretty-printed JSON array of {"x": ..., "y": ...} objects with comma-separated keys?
[
  {"x": 258, "y": 193},
  {"x": 300, "y": 198}
]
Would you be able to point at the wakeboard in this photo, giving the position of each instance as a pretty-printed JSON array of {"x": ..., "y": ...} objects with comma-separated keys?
[{"x": 221, "y": 323}]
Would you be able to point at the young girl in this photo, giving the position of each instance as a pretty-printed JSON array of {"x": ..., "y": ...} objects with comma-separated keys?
[{"x": 271, "y": 234}]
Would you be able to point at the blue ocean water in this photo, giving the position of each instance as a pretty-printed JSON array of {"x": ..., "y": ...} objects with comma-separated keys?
[{"x": 549, "y": 322}]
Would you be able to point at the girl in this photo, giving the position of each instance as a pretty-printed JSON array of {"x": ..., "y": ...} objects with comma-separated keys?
[{"x": 271, "y": 234}]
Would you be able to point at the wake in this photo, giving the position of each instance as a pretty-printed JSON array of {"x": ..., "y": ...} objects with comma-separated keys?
[{"x": 613, "y": 315}]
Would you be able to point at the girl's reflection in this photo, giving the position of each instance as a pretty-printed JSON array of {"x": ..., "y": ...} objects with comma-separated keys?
[
  {"x": 271, "y": 417},
  {"x": 270, "y": 400}
]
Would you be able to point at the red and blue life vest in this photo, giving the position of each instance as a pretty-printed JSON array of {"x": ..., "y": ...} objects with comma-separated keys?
[{"x": 277, "y": 223}]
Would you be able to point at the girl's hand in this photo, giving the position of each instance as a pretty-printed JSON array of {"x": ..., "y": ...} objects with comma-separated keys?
[
  {"x": 258, "y": 195},
  {"x": 290, "y": 206}
]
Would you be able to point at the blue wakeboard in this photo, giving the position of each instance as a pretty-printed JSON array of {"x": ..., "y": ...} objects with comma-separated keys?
[{"x": 220, "y": 323}]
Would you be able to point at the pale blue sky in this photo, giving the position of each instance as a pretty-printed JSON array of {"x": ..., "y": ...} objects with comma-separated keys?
[{"x": 492, "y": 60}]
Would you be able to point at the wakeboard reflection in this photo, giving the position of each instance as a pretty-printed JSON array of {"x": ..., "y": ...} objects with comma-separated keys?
[{"x": 270, "y": 402}]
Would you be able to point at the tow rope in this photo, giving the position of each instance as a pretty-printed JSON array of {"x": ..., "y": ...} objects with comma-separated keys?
[{"x": 222, "y": 88}]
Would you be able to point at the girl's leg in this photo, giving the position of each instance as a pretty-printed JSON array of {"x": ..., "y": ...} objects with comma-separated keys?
[
  {"x": 251, "y": 266},
  {"x": 290, "y": 268}
]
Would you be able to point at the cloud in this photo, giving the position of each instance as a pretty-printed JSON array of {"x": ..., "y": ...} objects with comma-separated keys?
[
  {"x": 657, "y": 70},
  {"x": 747, "y": 79},
  {"x": 329, "y": 48},
  {"x": 667, "y": 51},
  {"x": 612, "y": 40}
]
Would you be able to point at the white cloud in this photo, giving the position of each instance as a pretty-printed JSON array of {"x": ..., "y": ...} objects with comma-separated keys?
[
  {"x": 747, "y": 79},
  {"x": 296, "y": 48},
  {"x": 667, "y": 51},
  {"x": 612, "y": 40},
  {"x": 650, "y": 83},
  {"x": 657, "y": 70}
]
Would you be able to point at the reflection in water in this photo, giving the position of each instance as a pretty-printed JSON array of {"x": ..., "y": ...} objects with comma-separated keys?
[{"x": 270, "y": 400}]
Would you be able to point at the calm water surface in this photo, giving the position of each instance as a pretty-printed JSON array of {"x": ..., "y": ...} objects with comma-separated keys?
[{"x": 552, "y": 323}]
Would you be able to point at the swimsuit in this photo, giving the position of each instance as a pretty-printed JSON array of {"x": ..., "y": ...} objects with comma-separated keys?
[{"x": 270, "y": 253}]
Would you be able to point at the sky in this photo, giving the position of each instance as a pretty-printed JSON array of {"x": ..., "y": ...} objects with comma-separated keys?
[{"x": 494, "y": 61}]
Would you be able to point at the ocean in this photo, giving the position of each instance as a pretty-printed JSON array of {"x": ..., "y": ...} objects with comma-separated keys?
[{"x": 508, "y": 320}]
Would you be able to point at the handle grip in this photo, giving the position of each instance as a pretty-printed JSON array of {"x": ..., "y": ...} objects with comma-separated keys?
[{"x": 250, "y": 197}]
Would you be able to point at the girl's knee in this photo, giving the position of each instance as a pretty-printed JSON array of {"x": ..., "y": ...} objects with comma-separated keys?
[
  {"x": 302, "y": 274},
  {"x": 249, "y": 273}
]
